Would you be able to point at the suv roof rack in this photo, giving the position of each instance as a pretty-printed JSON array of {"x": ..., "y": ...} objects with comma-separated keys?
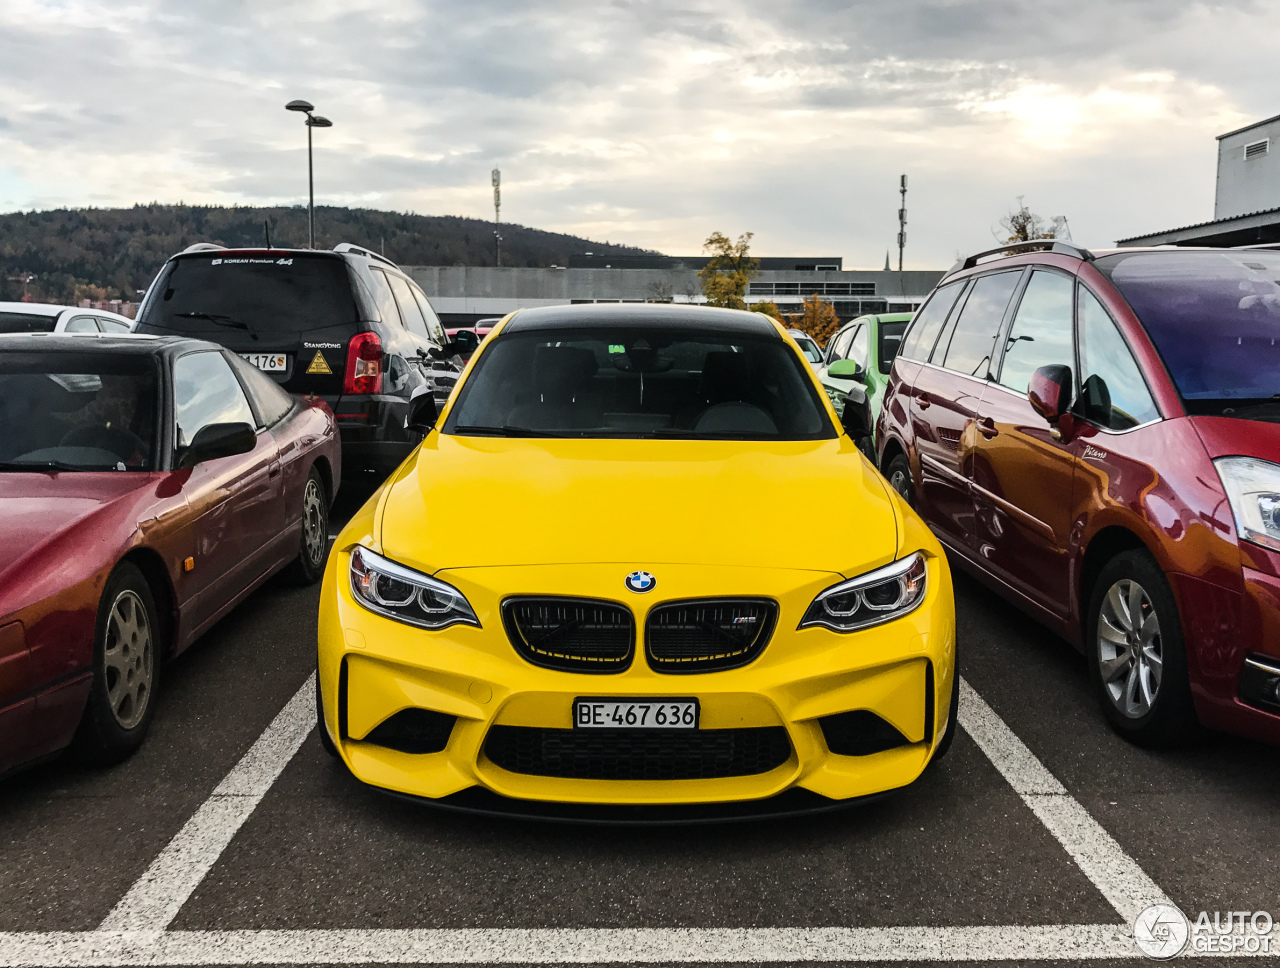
[
  {"x": 1017, "y": 248},
  {"x": 202, "y": 247},
  {"x": 361, "y": 250}
]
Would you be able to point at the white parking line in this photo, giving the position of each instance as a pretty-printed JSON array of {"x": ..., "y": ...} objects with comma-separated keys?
[
  {"x": 156, "y": 897},
  {"x": 134, "y": 932},
  {"x": 1113, "y": 872}
]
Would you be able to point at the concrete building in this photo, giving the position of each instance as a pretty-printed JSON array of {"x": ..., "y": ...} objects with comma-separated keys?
[
  {"x": 1246, "y": 206},
  {"x": 463, "y": 294}
]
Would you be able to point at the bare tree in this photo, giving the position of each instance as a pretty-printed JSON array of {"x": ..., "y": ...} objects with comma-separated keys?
[{"x": 1024, "y": 225}]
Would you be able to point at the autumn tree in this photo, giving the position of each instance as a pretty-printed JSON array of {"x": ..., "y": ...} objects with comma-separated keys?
[
  {"x": 819, "y": 319},
  {"x": 768, "y": 307},
  {"x": 725, "y": 276},
  {"x": 1025, "y": 225}
]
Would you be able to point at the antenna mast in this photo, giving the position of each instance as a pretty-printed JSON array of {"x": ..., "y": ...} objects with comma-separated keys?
[
  {"x": 902, "y": 220},
  {"x": 497, "y": 211}
]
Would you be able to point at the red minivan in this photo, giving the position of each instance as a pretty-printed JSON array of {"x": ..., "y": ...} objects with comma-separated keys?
[{"x": 1097, "y": 436}]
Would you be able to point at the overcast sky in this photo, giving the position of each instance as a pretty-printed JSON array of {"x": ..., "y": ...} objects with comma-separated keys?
[{"x": 649, "y": 123}]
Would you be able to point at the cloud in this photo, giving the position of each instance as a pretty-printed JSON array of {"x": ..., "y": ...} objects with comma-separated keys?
[{"x": 653, "y": 123}]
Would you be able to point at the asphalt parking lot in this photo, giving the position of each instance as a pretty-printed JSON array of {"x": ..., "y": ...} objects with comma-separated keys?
[{"x": 1039, "y": 837}]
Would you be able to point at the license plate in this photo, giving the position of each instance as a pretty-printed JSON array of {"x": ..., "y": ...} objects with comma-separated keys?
[
  {"x": 635, "y": 714},
  {"x": 268, "y": 361}
]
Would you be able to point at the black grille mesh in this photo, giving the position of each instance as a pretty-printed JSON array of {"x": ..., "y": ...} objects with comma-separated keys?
[
  {"x": 607, "y": 754},
  {"x": 577, "y": 634},
  {"x": 705, "y": 635}
]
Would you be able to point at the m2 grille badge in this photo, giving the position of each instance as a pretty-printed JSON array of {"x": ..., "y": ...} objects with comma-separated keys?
[{"x": 640, "y": 582}]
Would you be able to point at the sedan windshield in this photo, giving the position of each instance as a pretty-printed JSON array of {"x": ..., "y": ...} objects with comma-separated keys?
[
  {"x": 1214, "y": 317},
  {"x": 640, "y": 382},
  {"x": 77, "y": 411}
]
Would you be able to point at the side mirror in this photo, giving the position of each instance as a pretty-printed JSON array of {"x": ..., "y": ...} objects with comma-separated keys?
[
  {"x": 1049, "y": 392},
  {"x": 848, "y": 370},
  {"x": 856, "y": 416},
  {"x": 219, "y": 440},
  {"x": 422, "y": 411},
  {"x": 466, "y": 341}
]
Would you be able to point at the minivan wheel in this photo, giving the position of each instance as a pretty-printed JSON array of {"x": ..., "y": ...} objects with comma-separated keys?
[
  {"x": 1137, "y": 654},
  {"x": 126, "y": 666},
  {"x": 898, "y": 473},
  {"x": 308, "y": 567}
]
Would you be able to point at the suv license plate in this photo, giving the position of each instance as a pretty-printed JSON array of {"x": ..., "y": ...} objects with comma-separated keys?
[
  {"x": 268, "y": 361},
  {"x": 635, "y": 714}
]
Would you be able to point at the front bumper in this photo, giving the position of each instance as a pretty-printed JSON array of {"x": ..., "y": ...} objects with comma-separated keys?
[{"x": 372, "y": 668}]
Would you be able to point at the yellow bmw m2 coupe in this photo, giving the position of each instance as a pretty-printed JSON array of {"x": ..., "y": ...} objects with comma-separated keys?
[{"x": 585, "y": 596}]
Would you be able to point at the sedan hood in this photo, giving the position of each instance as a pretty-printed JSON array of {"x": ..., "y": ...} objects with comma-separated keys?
[
  {"x": 36, "y": 508},
  {"x": 486, "y": 501},
  {"x": 1233, "y": 436}
]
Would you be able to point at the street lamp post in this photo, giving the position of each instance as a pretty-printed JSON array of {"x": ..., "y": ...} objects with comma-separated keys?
[{"x": 313, "y": 121}]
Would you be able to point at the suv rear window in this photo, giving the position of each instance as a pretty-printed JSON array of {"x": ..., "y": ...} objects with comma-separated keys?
[{"x": 253, "y": 292}]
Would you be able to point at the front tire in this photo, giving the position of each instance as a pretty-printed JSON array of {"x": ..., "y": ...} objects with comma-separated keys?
[
  {"x": 1137, "y": 654},
  {"x": 898, "y": 474},
  {"x": 308, "y": 567},
  {"x": 126, "y": 667}
]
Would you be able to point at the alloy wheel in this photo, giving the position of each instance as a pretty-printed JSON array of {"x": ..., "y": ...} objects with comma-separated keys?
[
  {"x": 1130, "y": 651},
  {"x": 900, "y": 481},
  {"x": 128, "y": 659},
  {"x": 313, "y": 523}
]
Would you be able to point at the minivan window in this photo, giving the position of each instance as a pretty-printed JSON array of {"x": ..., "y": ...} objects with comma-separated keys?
[
  {"x": 1214, "y": 316},
  {"x": 973, "y": 337},
  {"x": 918, "y": 343},
  {"x": 254, "y": 293},
  {"x": 1041, "y": 331},
  {"x": 1112, "y": 391},
  {"x": 650, "y": 382}
]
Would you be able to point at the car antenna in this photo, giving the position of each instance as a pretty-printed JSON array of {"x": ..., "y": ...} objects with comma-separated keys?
[{"x": 266, "y": 230}]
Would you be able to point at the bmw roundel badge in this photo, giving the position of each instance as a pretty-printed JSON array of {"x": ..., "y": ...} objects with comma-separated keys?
[{"x": 640, "y": 581}]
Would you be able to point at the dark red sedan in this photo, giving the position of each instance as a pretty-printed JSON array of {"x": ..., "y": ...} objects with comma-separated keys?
[
  {"x": 1097, "y": 436},
  {"x": 147, "y": 485}
]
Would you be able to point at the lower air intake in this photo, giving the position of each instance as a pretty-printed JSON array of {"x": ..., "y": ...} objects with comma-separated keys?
[
  {"x": 860, "y": 733},
  {"x": 413, "y": 731},
  {"x": 591, "y": 754}
]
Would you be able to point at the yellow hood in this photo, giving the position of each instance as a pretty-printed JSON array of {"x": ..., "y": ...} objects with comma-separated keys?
[{"x": 484, "y": 501}]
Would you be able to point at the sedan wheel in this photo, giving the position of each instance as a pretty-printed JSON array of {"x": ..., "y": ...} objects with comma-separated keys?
[
  {"x": 308, "y": 566},
  {"x": 1129, "y": 648},
  {"x": 128, "y": 660}
]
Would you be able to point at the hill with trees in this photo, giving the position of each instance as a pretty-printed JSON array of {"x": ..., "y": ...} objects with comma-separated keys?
[{"x": 66, "y": 255}]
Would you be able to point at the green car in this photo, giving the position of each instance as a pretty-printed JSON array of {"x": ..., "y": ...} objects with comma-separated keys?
[{"x": 860, "y": 354}]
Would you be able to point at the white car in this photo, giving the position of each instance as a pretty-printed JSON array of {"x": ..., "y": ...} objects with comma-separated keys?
[
  {"x": 811, "y": 350},
  {"x": 25, "y": 317}
]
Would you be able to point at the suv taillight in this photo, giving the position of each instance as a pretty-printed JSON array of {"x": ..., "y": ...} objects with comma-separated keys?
[{"x": 364, "y": 364}]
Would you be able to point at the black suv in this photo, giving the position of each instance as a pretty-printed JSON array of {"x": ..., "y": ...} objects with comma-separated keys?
[{"x": 347, "y": 326}]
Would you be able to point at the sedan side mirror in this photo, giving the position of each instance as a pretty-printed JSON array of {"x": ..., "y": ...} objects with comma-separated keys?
[
  {"x": 422, "y": 411},
  {"x": 1049, "y": 392},
  {"x": 848, "y": 370},
  {"x": 466, "y": 341},
  {"x": 219, "y": 440}
]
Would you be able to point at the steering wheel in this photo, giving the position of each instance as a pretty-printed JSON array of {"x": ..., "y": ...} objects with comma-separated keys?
[{"x": 121, "y": 442}]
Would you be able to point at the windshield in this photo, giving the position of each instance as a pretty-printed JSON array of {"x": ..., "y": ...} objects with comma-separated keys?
[
  {"x": 1214, "y": 317},
  {"x": 77, "y": 411},
  {"x": 809, "y": 348},
  {"x": 640, "y": 382},
  {"x": 257, "y": 293}
]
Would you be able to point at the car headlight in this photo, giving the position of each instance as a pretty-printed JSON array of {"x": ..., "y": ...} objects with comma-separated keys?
[
  {"x": 1253, "y": 488},
  {"x": 878, "y": 596},
  {"x": 405, "y": 595}
]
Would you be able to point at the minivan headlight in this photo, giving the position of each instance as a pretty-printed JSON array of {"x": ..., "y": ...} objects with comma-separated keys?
[
  {"x": 1253, "y": 489},
  {"x": 878, "y": 596},
  {"x": 391, "y": 589}
]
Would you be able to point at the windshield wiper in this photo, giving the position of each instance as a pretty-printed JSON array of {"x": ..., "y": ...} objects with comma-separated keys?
[
  {"x": 504, "y": 431},
  {"x": 51, "y": 465},
  {"x": 216, "y": 318}
]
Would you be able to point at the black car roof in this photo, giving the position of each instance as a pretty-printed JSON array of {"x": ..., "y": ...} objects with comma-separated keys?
[
  {"x": 655, "y": 315},
  {"x": 136, "y": 344}
]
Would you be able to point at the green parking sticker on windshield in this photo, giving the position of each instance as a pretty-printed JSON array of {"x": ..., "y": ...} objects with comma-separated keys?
[{"x": 617, "y": 348}]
